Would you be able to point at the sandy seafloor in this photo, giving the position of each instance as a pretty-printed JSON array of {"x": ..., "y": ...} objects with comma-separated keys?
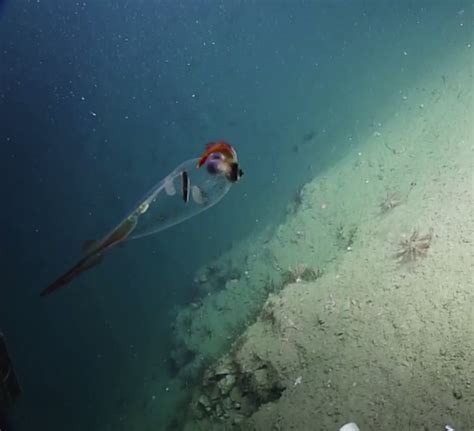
[{"x": 386, "y": 344}]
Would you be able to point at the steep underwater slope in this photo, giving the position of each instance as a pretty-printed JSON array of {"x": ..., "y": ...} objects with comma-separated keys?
[{"x": 381, "y": 341}]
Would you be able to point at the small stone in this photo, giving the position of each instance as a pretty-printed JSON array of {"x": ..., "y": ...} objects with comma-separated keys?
[
  {"x": 235, "y": 395},
  {"x": 238, "y": 419},
  {"x": 227, "y": 403},
  {"x": 219, "y": 410},
  {"x": 226, "y": 384},
  {"x": 204, "y": 402},
  {"x": 457, "y": 393}
]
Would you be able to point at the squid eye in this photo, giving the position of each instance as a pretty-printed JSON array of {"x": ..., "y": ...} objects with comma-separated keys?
[
  {"x": 213, "y": 166},
  {"x": 216, "y": 156}
]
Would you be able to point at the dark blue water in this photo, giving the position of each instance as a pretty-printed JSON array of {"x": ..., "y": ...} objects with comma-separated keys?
[{"x": 100, "y": 100}]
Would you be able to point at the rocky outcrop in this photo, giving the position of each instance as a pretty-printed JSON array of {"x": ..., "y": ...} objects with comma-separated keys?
[
  {"x": 232, "y": 391},
  {"x": 254, "y": 373}
]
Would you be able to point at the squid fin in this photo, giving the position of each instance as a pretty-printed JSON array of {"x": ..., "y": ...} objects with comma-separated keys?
[{"x": 67, "y": 277}]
